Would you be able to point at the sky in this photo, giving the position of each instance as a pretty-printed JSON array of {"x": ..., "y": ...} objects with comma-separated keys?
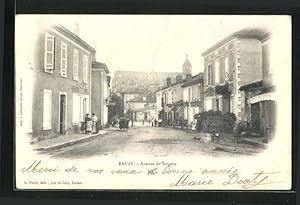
[{"x": 156, "y": 42}]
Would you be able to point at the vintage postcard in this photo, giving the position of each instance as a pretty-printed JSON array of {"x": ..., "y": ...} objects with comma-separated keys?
[{"x": 153, "y": 102}]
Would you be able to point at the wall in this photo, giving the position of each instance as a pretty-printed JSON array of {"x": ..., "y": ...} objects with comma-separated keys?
[
  {"x": 56, "y": 83},
  {"x": 96, "y": 93},
  {"x": 250, "y": 52},
  {"x": 219, "y": 54},
  {"x": 267, "y": 49}
]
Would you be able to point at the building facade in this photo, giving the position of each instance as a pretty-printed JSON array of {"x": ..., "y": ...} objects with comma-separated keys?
[
  {"x": 229, "y": 64},
  {"x": 260, "y": 100},
  {"x": 170, "y": 101},
  {"x": 141, "y": 108},
  {"x": 100, "y": 91},
  {"x": 193, "y": 98},
  {"x": 59, "y": 93}
]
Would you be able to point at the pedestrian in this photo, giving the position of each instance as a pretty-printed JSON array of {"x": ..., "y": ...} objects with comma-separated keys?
[
  {"x": 94, "y": 123},
  {"x": 155, "y": 122},
  {"x": 88, "y": 122},
  {"x": 152, "y": 122}
]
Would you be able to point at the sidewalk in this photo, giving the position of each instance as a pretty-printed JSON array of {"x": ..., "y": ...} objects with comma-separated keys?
[{"x": 64, "y": 140}]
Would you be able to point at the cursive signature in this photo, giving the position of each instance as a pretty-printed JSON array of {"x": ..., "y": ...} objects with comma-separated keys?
[{"x": 259, "y": 178}]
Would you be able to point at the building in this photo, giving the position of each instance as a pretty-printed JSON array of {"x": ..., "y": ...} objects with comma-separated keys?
[
  {"x": 139, "y": 84},
  {"x": 170, "y": 103},
  {"x": 141, "y": 108},
  {"x": 100, "y": 91},
  {"x": 58, "y": 95},
  {"x": 193, "y": 97},
  {"x": 260, "y": 101},
  {"x": 231, "y": 63}
]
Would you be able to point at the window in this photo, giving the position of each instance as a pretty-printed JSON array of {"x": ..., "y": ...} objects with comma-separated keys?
[
  {"x": 85, "y": 69},
  {"x": 75, "y": 64},
  {"x": 49, "y": 53},
  {"x": 208, "y": 104},
  {"x": 190, "y": 94},
  {"x": 217, "y": 72},
  {"x": 84, "y": 106},
  {"x": 63, "y": 60},
  {"x": 226, "y": 68},
  {"x": 210, "y": 75},
  {"x": 217, "y": 104},
  {"x": 47, "y": 109},
  {"x": 185, "y": 95},
  {"x": 76, "y": 108},
  {"x": 185, "y": 113}
]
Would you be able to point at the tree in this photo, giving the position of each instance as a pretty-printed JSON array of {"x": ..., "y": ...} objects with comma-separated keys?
[{"x": 116, "y": 108}]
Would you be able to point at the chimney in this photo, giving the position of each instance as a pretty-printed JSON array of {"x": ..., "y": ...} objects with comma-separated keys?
[
  {"x": 169, "y": 81},
  {"x": 188, "y": 77},
  {"x": 178, "y": 78}
]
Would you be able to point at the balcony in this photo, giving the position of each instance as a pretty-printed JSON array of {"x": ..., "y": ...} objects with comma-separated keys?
[{"x": 225, "y": 89}]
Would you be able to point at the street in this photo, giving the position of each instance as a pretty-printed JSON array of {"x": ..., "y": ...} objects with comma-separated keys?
[{"x": 152, "y": 142}]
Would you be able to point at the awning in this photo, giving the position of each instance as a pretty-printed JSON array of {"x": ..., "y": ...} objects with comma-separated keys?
[{"x": 262, "y": 97}]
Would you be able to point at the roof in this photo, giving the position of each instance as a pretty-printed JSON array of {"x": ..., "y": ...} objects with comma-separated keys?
[
  {"x": 178, "y": 103},
  {"x": 153, "y": 107},
  {"x": 140, "y": 81},
  {"x": 255, "y": 84},
  {"x": 250, "y": 32},
  {"x": 73, "y": 36},
  {"x": 99, "y": 65},
  {"x": 166, "y": 87},
  {"x": 149, "y": 99},
  {"x": 196, "y": 79}
]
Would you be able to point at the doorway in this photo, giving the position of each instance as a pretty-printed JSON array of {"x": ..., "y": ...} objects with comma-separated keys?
[
  {"x": 255, "y": 117},
  {"x": 62, "y": 114}
]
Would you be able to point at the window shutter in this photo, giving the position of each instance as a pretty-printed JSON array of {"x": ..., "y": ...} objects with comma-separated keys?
[
  {"x": 217, "y": 72},
  {"x": 47, "y": 109},
  {"x": 208, "y": 75},
  {"x": 75, "y": 64},
  {"x": 85, "y": 68},
  {"x": 76, "y": 108},
  {"x": 63, "y": 60},
  {"x": 49, "y": 53}
]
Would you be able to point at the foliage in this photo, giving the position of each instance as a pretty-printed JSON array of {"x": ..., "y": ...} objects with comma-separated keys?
[
  {"x": 117, "y": 109},
  {"x": 215, "y": 121}
]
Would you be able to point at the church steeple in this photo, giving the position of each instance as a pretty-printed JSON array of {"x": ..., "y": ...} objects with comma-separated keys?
[{"x": 187, "y": 66}]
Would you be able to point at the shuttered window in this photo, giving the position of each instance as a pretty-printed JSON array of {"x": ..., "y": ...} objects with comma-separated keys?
[
  {"x": 49, "y": 53},
  {"x": 226, "y": 68},
  {"x": 217, "y": 72},
  {"x": 85, "y": 68},
  {"x": 63, "y": 60},
  {"x": 47, "y": 109},
  {"x": 76, "y": 108},
  {"x": 75, "y": 64}
]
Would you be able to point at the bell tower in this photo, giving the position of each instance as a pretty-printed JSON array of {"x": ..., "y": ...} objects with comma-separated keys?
[{"x": 187, "y": 66}]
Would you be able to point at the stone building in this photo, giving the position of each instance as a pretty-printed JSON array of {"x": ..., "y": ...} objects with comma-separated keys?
[
  {"x": 193, "y": 97},
  {"x": 170, "y": 103},
  {"x": 260, "y": 100},
  {"x": 141, "y": 108},
  {"x": 55, "y": 75},
  {"x": 100, "y": 91},
  {"x": 233, "y": 62}
]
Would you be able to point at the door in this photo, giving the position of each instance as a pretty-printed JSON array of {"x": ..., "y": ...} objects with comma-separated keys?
[
  {"x": 226, "y": 104},
  {"x": 62, "y": 114},
  {"x": 255, "y": 117}
]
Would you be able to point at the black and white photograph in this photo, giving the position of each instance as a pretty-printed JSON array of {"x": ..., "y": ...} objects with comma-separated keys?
[{"x": 153, "y": 102}]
